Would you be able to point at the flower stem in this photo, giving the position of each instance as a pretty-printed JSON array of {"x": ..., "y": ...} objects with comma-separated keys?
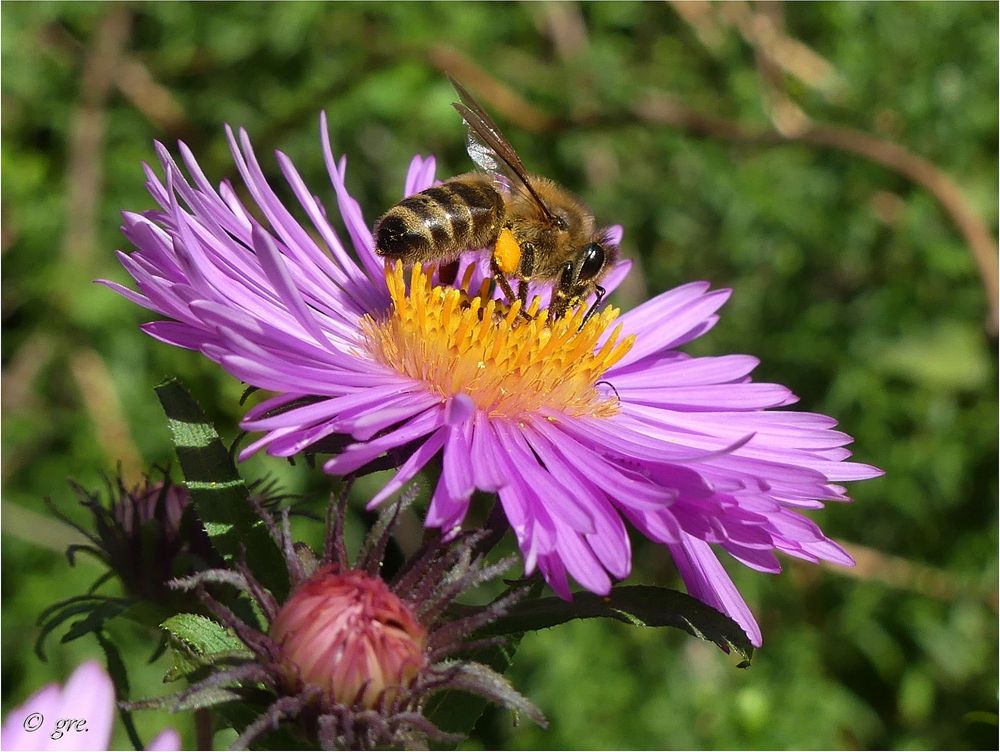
[{"x": 204, "y": 729}]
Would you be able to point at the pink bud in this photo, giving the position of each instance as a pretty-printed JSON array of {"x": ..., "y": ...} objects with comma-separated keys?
[{"x": 349, "y": 635}]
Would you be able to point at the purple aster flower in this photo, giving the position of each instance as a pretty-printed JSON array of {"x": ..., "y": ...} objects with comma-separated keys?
[
  {"x": 579, "y": 430},
  {"x": 87, "y": 699}
]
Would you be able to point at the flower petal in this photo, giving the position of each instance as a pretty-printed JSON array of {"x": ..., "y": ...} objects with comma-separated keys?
[
  {"x": 707, "y": 581},
  {"x": 88, "y": 695},
  {"x": 411, "y": 467},
  {"x": 167, "y": 740},
  {"x": 16, "y": 735}
]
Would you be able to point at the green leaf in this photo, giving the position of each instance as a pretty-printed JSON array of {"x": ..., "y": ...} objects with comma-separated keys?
[
  {"x": 219, "y": 494},
  {"x": 184, "y": 662},
  {"x": 202, "y": 634},
  {"x": 638, "y": 605},
  {"x": 457, "y": 712},
  {"x": 97, "y": 608},
  {"x": 95, "y": 620},
  {"x": 49, "y": 612},
  {"x": 197, "y": 642},
  {"x": 187, "y": 663}
]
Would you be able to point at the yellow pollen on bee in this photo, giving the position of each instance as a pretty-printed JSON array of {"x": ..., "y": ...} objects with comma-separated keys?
[
  {"x": 459, "y": 342},
  {"x": 507, "y": 252}
]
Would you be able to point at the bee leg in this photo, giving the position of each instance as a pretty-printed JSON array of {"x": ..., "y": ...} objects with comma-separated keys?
[
  {"x": 599, "y": 293},
  {"x": 508, "y": 291},
  {"x": 527, "y": 268},
  {"x": 448, "y": 273},
  {"x": 561, "y": 297},
  {"x": 501, "y": 279},
  {"x": 558, "y": 306}
]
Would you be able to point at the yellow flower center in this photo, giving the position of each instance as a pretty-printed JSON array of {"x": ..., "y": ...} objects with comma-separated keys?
[{"x": 458, "y": 342}]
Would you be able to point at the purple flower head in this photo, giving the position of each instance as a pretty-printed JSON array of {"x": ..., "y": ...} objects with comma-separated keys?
[
  {"x": 579, "y": 430},
  {"x": 88, "y": 697}
]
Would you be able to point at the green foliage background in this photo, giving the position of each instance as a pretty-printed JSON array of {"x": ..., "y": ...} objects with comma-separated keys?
[{"x": 851, "y": 284}]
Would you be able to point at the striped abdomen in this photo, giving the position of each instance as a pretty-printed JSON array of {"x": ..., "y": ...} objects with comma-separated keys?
[{"x": 441, "y": 222}]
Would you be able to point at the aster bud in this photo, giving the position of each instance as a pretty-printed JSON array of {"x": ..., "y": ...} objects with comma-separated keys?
[
  {"x": 349, "y": 635},
  {"x": 351, "y": 659},
  {"x": 147, "y": 534}
]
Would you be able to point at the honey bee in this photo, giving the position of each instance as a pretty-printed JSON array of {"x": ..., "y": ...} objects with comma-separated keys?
[{"x": 536, "y": 229}]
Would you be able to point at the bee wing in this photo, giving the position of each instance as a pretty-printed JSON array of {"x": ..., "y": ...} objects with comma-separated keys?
[
  {"x": 488, "y": 148},
  {"x": 486, "y": 159}
]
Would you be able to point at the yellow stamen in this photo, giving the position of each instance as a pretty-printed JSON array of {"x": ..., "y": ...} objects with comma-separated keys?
[{"x": 462, "y": 343}]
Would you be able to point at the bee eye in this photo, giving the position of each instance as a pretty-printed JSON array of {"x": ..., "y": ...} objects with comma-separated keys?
[
  {"x": 559, "y": 222},
  {"x": 593, "y": 262}
]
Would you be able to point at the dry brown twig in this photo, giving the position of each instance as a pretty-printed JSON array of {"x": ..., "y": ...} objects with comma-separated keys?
[
  {"x": 904, "y": 574},
  {"x": 510, "y": 105},
  {"x": 776, "y": 53},
  {"x": 84, "y": 174},
  {"x": 662, "y": 109},
  {"x": 152, "y": 99},
  {"x": 701, "y": 17},
  {"x": 565, "y": 26},
  {"x": 21, "y": 373},
  {"x": 132, "y": 77},
  {"x": 762, "y": 27},
  {"x": 100, "y": 397}
]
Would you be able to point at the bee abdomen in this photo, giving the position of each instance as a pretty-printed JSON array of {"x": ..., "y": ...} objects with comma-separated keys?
[{"x": 441, "y": 222}]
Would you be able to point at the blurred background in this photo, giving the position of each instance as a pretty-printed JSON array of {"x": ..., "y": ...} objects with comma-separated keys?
[{"x": 835, "y": 164}]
